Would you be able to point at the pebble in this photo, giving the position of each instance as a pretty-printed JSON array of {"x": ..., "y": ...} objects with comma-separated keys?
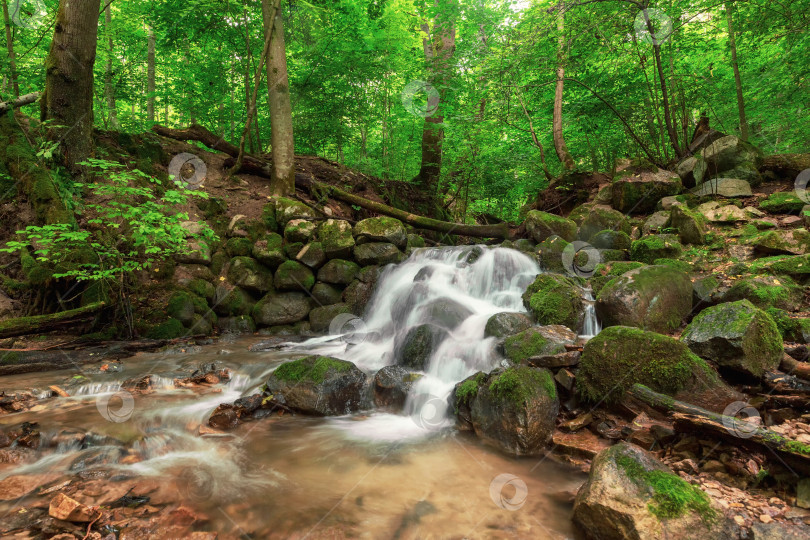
[
  {"x": 765, "y": 518},
  {"x": 739, "y": 520}
]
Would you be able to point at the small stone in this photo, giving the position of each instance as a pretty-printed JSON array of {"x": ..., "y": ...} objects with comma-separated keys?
[
  {"x": 765, "y": 518},
  {"x": 739, "y": 520},
  {"x": 64, "y": 508}
]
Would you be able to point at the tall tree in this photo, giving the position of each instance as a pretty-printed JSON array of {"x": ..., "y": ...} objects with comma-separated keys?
[
  {"x": 278, "y": 97},
  {"x": 439, "y": 46},
  {"x": 732, "y": 43},
  {"x": 150, "y": 76},
  {"x": 68, "y": 99},
  {"x": 12, "y": 58},
  {"x": 109, "y": 87},
  {"x": 557, "y": 129}
]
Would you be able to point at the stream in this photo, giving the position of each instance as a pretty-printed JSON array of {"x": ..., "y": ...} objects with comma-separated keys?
[{"x": 373, "y": 475}]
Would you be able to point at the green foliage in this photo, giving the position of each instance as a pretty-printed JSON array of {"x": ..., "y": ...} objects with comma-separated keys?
[{"x": 123, "y": 228}]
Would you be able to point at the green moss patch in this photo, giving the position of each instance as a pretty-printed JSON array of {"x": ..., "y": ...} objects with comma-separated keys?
[
  {"x": 520, "y": 384},
  {"x": 311, "y": 368}
]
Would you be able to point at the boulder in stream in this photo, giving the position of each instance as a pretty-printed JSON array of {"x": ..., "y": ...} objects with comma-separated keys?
[
  {"x": 392, "y": 385},
  {"x": 631, "y": 495},
  {"x": 538, "y": 341},
  {"x": 512, "y": 409},
  {"x": 541, "y": 225},
  {"x": 506, "y": 324},
  {"x": 555, "y": 299},
  {"x": 318, "y": 385}
]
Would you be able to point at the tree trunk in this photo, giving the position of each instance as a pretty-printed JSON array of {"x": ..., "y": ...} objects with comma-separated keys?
[
  {"x": 150, "y": 77},
  {"x": 559, "y": 140},
  {"x": 673, "y": 135},
  {"x": 732, "y": 42},
  {"x": 68, "y": 100},
  {"x": 109, "y": 89},
  {"x": 439, "y": 49},
  {"x": 249, "y": 55},
  {"x": 12, "y": 58},
  {"x": 278, "y": 98}
]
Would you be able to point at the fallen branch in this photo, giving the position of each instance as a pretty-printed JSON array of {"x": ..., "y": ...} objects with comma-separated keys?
[
  {"x": 46, "y": 323},
  {"x": 27, "y": 99},
  {"x": 689, "y": 418},
  {"x": 792, "y": 366},
  {"x": 260, "y": 165}
]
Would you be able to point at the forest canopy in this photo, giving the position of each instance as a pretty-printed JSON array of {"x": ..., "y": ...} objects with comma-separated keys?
[{"x": 361, "y": 86}]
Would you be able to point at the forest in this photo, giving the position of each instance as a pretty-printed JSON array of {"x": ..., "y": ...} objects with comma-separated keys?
[{"x": 405, "y": 269}]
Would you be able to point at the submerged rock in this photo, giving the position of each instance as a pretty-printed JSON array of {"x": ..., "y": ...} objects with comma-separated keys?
[
  {"x": 392, "y": 385},
  {"x": 656, "y": 298},
  {"x": 419, "y": 344},
  {"x": 631, "y": 495},
  {"x": 318, "y": 385},
  {"x": 512, "y": 409},
  {"x": 736, "y": 335}
]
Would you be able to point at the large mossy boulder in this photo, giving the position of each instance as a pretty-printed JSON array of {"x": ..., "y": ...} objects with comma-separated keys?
[
  {"x": 293, "y": 276},
  {"x": 630, "y": 495},
  {"x": 338, "y": 272},
  {"x": 183, "y": 305},
  {"x": 281, "y": 308},
  {"x": 767, "y": 291},
  {"x": 736, "y": 335},
  {"x": 240, "y": 324},
  {"x": 691, "y": 225},
  {"x": 269, "y": 251},
  {"x": 726, "y": 154},
  {"x": 723, "y": 187},
  {"x": 289, "y": 209},
  {"x": 538, "y": 341},
  {"x": 377, "y": 253},
  {"x": 318, "y": 385},
  {"x": 541, "y": 225},
  {"x": 506, "y": 324},
  {"x": 656, "y": 298},
  {"x": 381, "y": 229},
  {"x": 604, "y": 273},
  {"x": 639, "y": 194},
  {"x": 250, "y": 275},
  {"x": 326, "y": 295},
  {"x": 610, "y": 239},
  {"x": 231, "y": 300},
  {"x": 783, "y": 203},
  {"x": 599, "y": 219},
  {"x": 653, "y": 247},
  {"x": 336, "y": 238},
  {"x": 299, "y": 230},
  {"x": 555, "y": 299},
  {"x": 512, "y": 409},
  {"x": 621, "y": 356},
  {"x": 550, "y": 252},
  {"x": 418, "y": 345}
]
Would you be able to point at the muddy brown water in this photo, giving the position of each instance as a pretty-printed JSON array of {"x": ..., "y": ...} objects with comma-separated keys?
[{"x": 367, "y": 476}]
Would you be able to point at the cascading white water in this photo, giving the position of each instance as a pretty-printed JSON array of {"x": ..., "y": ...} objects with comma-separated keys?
[
  {"x": 590, "y": 326},
  {"x": 452, "y": 290}
]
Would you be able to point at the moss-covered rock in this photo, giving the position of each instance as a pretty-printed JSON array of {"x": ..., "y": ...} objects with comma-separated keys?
[
  {"x": 381, "y": 230},
  {"x": 794, "y": 242},
  {"x": 609, "y": 270},
  {"x": 653, "y": 247},
  {"x": 550, "y": 253},
  {"x": 767, "y": 291},
  {"x": 326, "y": 295},
  {"x": 269, "y": 251},
  {"x": 418, "y": 344},
  {"x": 678, "y": 264},
  {"x": 631, "y": 495},
  {"x": 289, "y": 209},
  {"x": 598, "y": 218},
  {"x": 541, "y": 225},
  {"x": 318, "y": 385},
  {"x": 621, "y": 356},
  {"x": 359, "y": 291},
  {"x": 736, "y": 335},
  {"x": 170, "y": 329},
  {"x": 240, "y": 324},
  {"x": 638, "y": 194},
  {"x": 610, "y": 239},
  {"x": 506, "y": 324},
  {"x": 537, "y": 341},
  {"x": 184, "y": 305},
  {"x": 231, "y": 300},
  {"x": 511, "y": 409},
  {"x": 414, "y": 242},
  {"x": 377, "y": 253},
  {"x": 525, "y": 245},
  {"x": 338, "y": 272},
  {"x": 656, "y": 223},
  {"x": 691, "y": 225},
  {"x": 238, "y": 247},
  {"x": 391, "y": 387},
  {"x": 248, "y": 274},
  {"x": 656, "y": 298},
  {"x": 312, "y": 255},
  {"x": 299, "y": 230},
  {"x": 281, "y": 308},
  {"x": 554, "y": 299},
  {"x": 202, "y": 288},
  {"x": 218, "y": 261},
  {"x": 785, "y": 202},
  {"x": 336, "y": 238},
  {"x": 321, "y": 317},
  {"x": 293, "y": 276}
]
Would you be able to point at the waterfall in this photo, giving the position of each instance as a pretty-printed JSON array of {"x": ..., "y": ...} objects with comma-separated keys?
[{"x": 590, "y": 326}]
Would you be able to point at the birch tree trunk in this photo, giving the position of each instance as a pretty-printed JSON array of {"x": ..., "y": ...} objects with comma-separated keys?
[{"x": 557, "y": 128}]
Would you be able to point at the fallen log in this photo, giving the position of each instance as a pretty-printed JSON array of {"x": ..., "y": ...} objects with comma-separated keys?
[
  {"x": 786, "y": 164},
  {"x": 260, "y": 165},
  {"x": 689, "y": 418},
  {"x": 794, "y": 367},
  {"x": 47, "y": 323},
  {"x": 27, "y": 99}
]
